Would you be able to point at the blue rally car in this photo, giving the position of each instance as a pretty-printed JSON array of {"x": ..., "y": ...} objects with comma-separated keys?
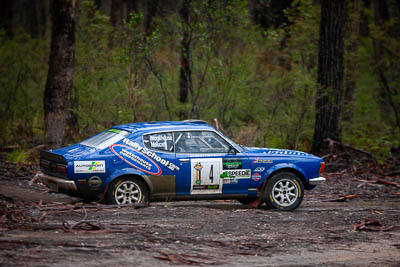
[{"x": 184, "y": 160}]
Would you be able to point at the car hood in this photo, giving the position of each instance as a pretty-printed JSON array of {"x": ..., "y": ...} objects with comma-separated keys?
[
  {"x": 258, "y": 151},
  {"x": 74, "y": 152}
]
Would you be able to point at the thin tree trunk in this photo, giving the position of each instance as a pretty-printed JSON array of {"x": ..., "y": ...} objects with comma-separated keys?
[
  {"x": 40, "y": 11},
  {"x": 354, "y": 31},
  {"x": 6, "y": 16},
  {"x": 381, "y": 15},
  {"x": 150, "y": 11},
  {"x": 330, "y": 82},
  {"x": 59, "y": 84},
  {"x": 185, "y": 80},
  {"x": 131, "y": 7},
  {"x": 115, "y": 16},
  {"x": 270, "y": 13}
]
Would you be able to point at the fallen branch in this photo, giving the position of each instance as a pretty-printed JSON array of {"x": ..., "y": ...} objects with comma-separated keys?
[
  {"x": 371, "y": 225},
  {"x": 81, "y": 225},
  {"x": 340, "y": 198},
  {"x": 333, "y": 142},
  {"x": 69, "y": 207},
  {"x": 393, "y": 173},
  {"x": 381, "y": 181}
]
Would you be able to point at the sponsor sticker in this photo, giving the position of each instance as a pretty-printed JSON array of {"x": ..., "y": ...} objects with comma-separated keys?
[
  {"x": 206, "y": 187},
  {"x": 245, "y": 173},
  {"x": 230, "y": 181},
  {"x": 259, "y": 169},
  {"x": 229, "y": 164},
  {"x": 160, "y": 137},
  {"x": 286, "y": 152},
  {"x": 258, "y": 160},
  {"x": 149, "y": 154},
  {"x": 256, "y": 177},
  {"x": 136, "y": 159},
  {"x": 98, "y": 166}
]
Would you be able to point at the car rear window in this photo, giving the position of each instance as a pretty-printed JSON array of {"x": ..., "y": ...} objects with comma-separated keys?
[{"x": 105, "y": 139}]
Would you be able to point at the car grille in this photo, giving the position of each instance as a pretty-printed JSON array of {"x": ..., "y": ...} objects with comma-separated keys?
[{"x": 53, "y": 164}]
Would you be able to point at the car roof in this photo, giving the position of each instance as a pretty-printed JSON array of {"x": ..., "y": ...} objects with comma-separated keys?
[{"x": 165, "y": 125}]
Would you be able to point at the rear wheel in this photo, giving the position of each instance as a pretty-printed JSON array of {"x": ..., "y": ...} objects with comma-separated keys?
[
  {"x": 127, "y": 190},
  {"x": 284, "y": 191}
]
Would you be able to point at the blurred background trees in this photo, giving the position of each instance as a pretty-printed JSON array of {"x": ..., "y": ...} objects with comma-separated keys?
[{"x": 251, "y": 64}]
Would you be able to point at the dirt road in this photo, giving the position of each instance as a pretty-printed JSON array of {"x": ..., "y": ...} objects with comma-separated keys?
[{"x": 226, "y": 233}]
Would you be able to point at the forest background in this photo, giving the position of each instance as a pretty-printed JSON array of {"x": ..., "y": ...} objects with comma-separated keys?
[{"x": 252, "y": 65}]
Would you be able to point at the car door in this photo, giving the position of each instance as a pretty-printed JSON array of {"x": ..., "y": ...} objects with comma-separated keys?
[
  {"x": 209, "y": 165},
  {"x": 159, "y": 148}
]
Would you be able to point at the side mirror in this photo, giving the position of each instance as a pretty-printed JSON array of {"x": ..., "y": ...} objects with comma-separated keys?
[{"x": 232, "y": 150}]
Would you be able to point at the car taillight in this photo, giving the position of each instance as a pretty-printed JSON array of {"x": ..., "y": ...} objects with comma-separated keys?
[
  {"x": 322, "y": 168},
  {"x": 44, "y": 164},
  {"x": 62, "y": 168}
]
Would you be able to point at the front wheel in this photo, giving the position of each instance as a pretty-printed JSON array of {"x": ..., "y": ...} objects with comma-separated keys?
[
  {"x": 284, "y": 191},
  {"x": 127, "y": 190}
]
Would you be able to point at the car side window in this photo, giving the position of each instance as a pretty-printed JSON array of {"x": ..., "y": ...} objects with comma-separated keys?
[
  {"x": 200, "y": 142},
  {"x": 159, "y": 141}
]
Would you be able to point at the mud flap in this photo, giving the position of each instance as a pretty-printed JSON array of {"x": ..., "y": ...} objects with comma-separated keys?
[
  {"x": 256, "y": 203},
  {"x": 260, "y": 199}
]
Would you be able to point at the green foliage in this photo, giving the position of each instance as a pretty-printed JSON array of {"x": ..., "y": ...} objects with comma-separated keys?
[
  {"x": 18, "y": 156},
  {"x": 23, "y": 70},
  {"x": 259, "y": 83}
]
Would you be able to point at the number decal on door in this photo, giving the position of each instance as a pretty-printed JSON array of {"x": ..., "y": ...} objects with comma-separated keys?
[
  {"x": 212, "y": 174},
  {"x": 201, "y": 183}
]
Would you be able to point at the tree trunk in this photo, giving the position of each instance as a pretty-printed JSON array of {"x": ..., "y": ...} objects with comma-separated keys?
[
  {"x": 330, "y": 82},
  {"x": 269, "y": 13},
  {"x": 150, "y": 10},
  {"x": 354, "y": 31},
  {"x": 115, "y": 16},
  {"x": 6, "y": 16},
  {"x": 31, "y": 16},
  {"x": 59, "y": 84},
  {"x": 387, "y": 103},
  {"x": 131, "y": 7},
  {"x": 185, "y": 80}
]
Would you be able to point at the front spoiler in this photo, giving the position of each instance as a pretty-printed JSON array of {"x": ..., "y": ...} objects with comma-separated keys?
[
  {"x": 316, "y": 181},
  {"x": 55, "y": 183}
]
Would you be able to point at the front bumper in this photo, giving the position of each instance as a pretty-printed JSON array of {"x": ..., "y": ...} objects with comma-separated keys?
[
  {"x": 55, "y": 183},
  {"x": 316, "y": 181}
]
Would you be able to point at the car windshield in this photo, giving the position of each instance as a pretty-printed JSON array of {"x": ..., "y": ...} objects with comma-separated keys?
[
  {"x": 105, "y": 139},
  {"x": 237, "y": 146}
]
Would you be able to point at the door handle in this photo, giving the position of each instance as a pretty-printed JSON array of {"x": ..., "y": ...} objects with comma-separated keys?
[{"x": 183, "y": 160}]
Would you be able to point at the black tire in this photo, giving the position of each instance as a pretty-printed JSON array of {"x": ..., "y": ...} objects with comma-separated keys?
[
  {"x": 127, "y": 190},
  {"x": 284, "y": 191}
]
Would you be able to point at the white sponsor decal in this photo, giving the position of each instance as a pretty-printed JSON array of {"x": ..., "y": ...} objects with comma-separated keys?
[
  {"x": 230, "y": 181},
  {"x": 245, "y": 173},
  {"x": 135, "y": 158},
  {"x": 160, "y": 137},
  {"x": 259, "y": 169},
  {"x": 94, "y": 166},
  {"x": 151, "y": 154}
]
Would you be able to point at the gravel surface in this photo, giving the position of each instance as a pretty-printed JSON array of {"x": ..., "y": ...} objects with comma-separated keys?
[{"x": 42, "y": 229}]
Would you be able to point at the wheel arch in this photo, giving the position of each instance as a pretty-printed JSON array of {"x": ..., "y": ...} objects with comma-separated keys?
[
  {"x": 287, "y": 168},
  {"x": 123, "y": 174}
]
